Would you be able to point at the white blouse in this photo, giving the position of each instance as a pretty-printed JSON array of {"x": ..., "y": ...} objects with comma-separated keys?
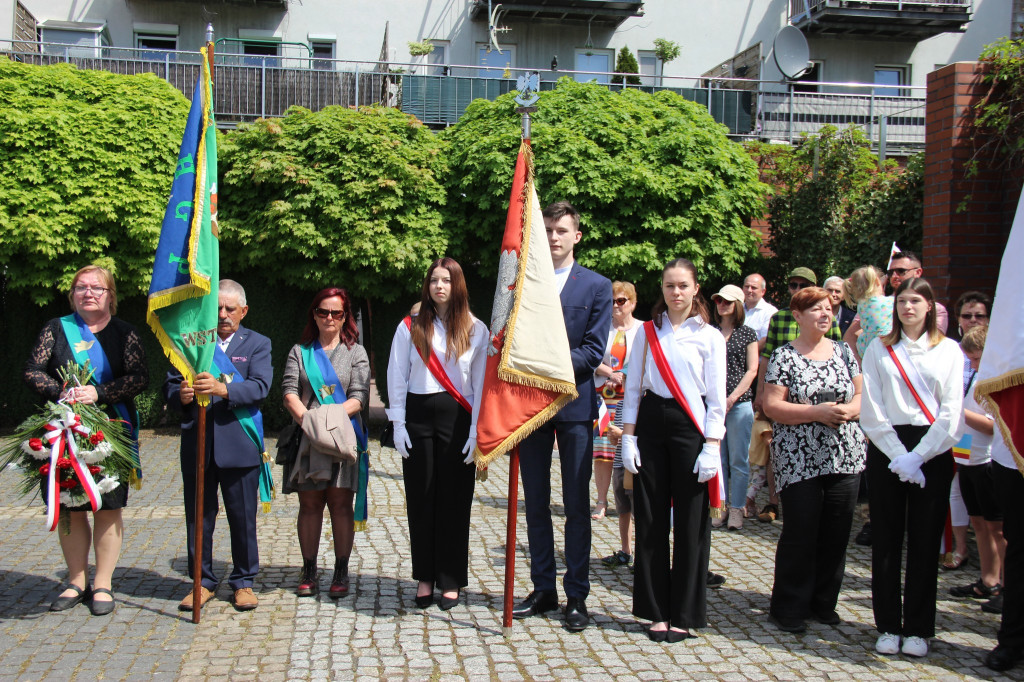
[
  {"x": 1001, "y": 454},
  {"x": 408, "y": 374},
  {"x": 981, "y": 443},
  {"x": 696, "y": 353},
  {"x": 887, "y": 401}
]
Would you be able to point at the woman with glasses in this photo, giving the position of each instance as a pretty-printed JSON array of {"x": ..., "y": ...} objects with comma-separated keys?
[
  {"x": 912, "y": 415},
  {"x": 114, "y": 349},
  {"x": 608, "y": 448},
  {"x": 435, "y": 381},
  {"x": 327, "y": 366},
  {"x": 971, "y": 311}
]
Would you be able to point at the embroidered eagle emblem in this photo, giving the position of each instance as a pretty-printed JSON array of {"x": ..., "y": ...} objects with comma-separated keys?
[
  {"x": 326, "y": 390},
  {"x": 83, "y": 346}
]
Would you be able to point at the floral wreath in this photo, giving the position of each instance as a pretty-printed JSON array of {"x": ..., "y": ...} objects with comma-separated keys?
[{"x": 71, "y": 450}]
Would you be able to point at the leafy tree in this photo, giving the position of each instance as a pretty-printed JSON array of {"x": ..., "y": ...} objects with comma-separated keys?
[
  {"x": 1000, "y": 115},
  {"x": 833, "y": 209},
  {"x": 626, "y": 63},
  {"x": 87, "y": 159},
  {"x": 653, "y": 176},
  {"x": 337, "y": 196},
  {"x": 666, "y": 50}
]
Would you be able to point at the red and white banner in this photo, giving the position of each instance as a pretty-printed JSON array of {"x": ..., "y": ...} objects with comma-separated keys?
[
  {"x": 529, "y": 368},
  {"x": 1000, "y": 381}
]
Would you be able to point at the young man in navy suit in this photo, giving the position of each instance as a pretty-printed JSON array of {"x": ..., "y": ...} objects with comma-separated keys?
[
  {"x": 232, "y": 458},
  {"x": 586, "y": 307}
]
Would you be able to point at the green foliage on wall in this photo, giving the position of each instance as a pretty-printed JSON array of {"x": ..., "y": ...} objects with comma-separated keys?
[
  {"x": 653, "y": 175},
  {"x": 833, "y": 209},
  {"x": 626, "y": 63},
  {"x": 1001, "y": 113},
  {"x": 338, "y": 197},
  {"x": 87, "y": 159}
]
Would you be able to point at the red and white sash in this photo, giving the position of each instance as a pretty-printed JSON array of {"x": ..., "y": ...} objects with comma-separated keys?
[
  {"x": 688, "y": 397},
  {"x": 915, "y": 382},
  {"x": 437, "y": 369}
]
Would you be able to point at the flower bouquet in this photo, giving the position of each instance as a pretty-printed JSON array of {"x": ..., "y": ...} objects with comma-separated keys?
[{"x": 72, "y": 450}]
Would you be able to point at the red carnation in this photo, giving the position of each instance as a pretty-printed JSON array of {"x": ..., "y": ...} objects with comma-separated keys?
[
  {"x": 45, "y": 469},
  {"x": 35, "y": 443},
  {"x": 64, "y": 462},
  {"x": 94, "y": 469},
  {"x": 68, "y": 484},
  {"x": 96, "y": 438}
]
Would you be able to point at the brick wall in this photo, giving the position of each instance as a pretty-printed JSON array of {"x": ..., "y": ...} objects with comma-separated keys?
[{"x": 962, "y": 248}]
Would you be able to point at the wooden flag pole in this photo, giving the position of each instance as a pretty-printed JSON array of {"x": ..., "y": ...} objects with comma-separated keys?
[
  {"x": 197, "y": 531},
  {"x": 510, "y": 541}
]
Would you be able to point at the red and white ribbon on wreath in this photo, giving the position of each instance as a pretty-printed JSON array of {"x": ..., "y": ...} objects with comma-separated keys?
[{"x": 60, "y": 433}]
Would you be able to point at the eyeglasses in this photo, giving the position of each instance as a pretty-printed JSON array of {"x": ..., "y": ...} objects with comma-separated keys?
[
  {"x": 620, "y": 301},
  {"x": 973, "y": 316},
  {"x": 95, "y": 291},
  {"x": 323, "y": 313},
  {"x": 900, "y": 272},
  {"x": 793, "y": 286}
]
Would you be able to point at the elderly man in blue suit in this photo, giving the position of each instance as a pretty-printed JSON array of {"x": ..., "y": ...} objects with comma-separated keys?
[
  {"x": 586, "y": 307},
  {"x": 233, "y": 459}
]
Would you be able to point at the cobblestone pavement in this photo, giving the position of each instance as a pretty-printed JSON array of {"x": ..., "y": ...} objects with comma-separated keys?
[{"x": 377, "y": 632}]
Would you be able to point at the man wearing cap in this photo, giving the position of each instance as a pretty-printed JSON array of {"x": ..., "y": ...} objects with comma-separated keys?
[{"x": 782, "y": 329}]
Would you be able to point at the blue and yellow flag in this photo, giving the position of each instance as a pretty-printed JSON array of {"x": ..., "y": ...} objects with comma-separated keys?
[{"x": 183, "y": 294}]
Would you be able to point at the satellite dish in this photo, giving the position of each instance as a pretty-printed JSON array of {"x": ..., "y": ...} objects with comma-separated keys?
[{"x": 791, "y": 52}]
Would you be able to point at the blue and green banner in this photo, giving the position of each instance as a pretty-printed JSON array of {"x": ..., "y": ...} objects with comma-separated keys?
[{"x": 182, "y": 308}]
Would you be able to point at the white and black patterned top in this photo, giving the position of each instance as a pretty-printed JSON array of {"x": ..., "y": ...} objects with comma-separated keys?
[
  {"x": 736, "y": 360},
  {"x": 804, "y": 451}
]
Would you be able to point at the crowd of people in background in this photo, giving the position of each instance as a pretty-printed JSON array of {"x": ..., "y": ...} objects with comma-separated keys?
[{"x": 693, "y": 392}]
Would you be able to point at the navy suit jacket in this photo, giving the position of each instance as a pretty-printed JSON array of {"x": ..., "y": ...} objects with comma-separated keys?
[
  {"x": 587, "y": 309},
  {"x": 226, "y": 442}
]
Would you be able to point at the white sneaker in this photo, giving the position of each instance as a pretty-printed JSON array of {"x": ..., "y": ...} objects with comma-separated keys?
[
  {"x": 888, "y": 644},
  {"x": 735, "y": 518},
  {"x": 915, "y": 646},
  {"x": 717, "y": 523}
]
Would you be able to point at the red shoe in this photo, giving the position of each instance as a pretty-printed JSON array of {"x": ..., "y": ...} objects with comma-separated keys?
[
  {"x": 309, "y": 581},
  {"x": 339, "y": 584}
]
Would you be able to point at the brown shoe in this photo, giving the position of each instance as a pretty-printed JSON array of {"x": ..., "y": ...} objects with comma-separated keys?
[
  {"x": 205, "y": 595},
  {"x": 245, "y": 599}
]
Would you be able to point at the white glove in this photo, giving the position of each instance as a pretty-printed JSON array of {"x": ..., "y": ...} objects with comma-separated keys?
[
  {"x": 708, "y": 462},
  {"x": 908, "y": 468},
  {"x": 468, "y": 449},
  {"x": 630, "y": 454},
  {"x": 402, "y": 442}
]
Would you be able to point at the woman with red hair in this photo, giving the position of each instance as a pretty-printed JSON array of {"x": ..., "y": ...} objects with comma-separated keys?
[
  {"x": 327, "y": 365},
  {"x": 435, "y": 380}
]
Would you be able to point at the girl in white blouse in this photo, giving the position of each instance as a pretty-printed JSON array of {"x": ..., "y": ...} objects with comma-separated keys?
[
  {"x": 434, "y": 430},
  {"x": 912, "y": 414},
  {"x": 673, "y": 454}
]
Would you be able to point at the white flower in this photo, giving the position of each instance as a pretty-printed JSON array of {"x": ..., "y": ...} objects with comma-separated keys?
[
  {"x": 37, "y": 454},
  {"x": 103, "y": 448},
  {"x": 107, "y": 484},
  {"x": 88, "y": 456}
]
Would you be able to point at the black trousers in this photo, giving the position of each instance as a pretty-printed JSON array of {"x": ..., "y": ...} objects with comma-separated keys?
[
  {"x": 1010, "y": 490},
  {"x": 811, "y": 555},
  {"x": 898, "y": 508},
  {"x": 438, "y": 489},
  {"x": 666, "y": 485}
]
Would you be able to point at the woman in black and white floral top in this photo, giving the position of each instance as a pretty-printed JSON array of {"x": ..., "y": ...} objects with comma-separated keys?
[{"x": 812, "y": 393}]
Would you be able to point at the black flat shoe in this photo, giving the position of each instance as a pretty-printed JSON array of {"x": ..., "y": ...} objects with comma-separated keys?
[
  {"x": 657, "y": 635},
  {"x": 65, "y": 603},
  {"x": 1002, "y": 658},
  {"x": 424, "y": 601},
  {"x": 794, "y": 625},
  {"x": 828, "y": 618},
  {"x": 675, "y": 636},
  {"x": 101, "y": 608},
  {"x": 448, "y": 603}
]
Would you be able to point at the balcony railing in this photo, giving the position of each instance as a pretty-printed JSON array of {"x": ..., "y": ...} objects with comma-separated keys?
[
  {"x": 898, "y": 19},
  {"x": 245, "y": 90}
]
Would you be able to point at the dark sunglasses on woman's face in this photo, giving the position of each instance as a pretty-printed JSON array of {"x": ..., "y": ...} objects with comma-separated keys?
[
  {"x": 620, "y": 301},
  {"x": 973, "y": 316},
  {"x": 322, "y": 313}
]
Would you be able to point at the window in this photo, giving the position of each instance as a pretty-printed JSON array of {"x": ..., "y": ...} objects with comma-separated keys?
[
  {"x": 323, "y": 53},
  {"x": 259, "y": 44},
  {"x": 439, "y": 57},
  {"x": 650, "y": 68},
  {"x": 890, "y": 76},
  {"x": 809, "y": 81},
  {"x": 156, "y": 47},
  {"x": 495, "y": 63},
  {"x": 588, "y": 59}
]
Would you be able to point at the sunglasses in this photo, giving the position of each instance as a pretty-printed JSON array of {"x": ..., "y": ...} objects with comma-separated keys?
[
  {"x": 620, "y": 301},
  {"x": 793, "y": 286},
  {"x": 973, "y": 316},
  {"x": 322, "y": 313},
  {"x": 900, "y": 272}
]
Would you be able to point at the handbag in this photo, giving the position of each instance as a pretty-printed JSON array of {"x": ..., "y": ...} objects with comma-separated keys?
[
  {"x": 288, "y": 444},
  {"x": 387, "y": 436}
]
